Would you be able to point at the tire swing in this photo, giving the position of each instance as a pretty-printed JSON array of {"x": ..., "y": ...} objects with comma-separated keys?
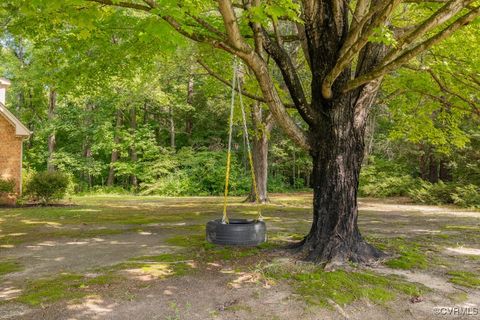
[{"x": 237, "y": 232}]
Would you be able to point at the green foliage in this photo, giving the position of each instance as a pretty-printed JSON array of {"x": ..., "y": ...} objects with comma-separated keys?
[
  {"x": 7, "y": 185},
  {"x": 47, "y": 186},
  {"x": 385, "y": 186},
  {"x": 433, "y": 193},
  {"x": 381, "y": 178},
  {"x": 447, "y": 193},
  {"x": 467, "y": 196},
  {"x": 187, "y": 172}
]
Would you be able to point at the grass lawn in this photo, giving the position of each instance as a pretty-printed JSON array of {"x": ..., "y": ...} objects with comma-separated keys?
[{"x": 116, "y": 257}]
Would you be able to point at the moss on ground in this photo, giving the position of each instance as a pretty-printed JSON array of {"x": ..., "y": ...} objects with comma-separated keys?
[
  {"x": 321, "y": 288},
  {"x": 410, "y": 254},
  {"x": 66, "y": 286},
  {"x": 465, "y": 278},
  {"x": 9, "y": 267}
]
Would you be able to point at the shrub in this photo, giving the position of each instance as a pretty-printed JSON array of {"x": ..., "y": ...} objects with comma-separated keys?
[
  {"x": 47, "y": 186},
  {"x": 432, "y": 193},
  {"x": 190, "y": 172},
  {"x": 467, "y": 196},
  {"x": 384, "y": 186},
  {"x": 7, "y": 186},
  {"x": 382, "y": 178}
]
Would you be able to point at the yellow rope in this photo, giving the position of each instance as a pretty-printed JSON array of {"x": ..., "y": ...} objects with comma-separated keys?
[
  {"x": 225, "y": 197},
  {"x": 254, "y": 181},
  {"x": 250, "y": 158},
  {"x": 229, "y": 153}
]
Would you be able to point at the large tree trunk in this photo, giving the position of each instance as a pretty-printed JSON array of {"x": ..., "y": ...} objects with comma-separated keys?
[
  {"x": 115, "y": 153},
  {"x": 52, "y": 103},
  {"x": 337, "y": 156}
]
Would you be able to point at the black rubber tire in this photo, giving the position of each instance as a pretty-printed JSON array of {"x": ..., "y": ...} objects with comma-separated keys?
[{"x": 239, "y": 232}]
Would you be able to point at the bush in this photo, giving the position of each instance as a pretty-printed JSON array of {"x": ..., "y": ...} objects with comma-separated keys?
[
  {"x": 467, "y": 196},
  {"x": 7, "y": 186},
  {"x": 382, "y": 178},
  {"x": 47, "y": 186},
  {"x": 190, "y": 172},
  {"x": 384, "y": 186},
  {"x": 433, "y": 193}
]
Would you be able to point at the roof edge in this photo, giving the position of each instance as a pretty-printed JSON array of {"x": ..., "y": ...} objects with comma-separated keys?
[{"x": 20, "y": 129}]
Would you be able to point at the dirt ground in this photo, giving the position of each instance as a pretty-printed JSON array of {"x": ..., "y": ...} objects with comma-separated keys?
[{"x": 86, "y": 253}]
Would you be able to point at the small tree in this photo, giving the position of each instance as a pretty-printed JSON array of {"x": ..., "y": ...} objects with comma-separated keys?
[{"x": 47, "y": 186}]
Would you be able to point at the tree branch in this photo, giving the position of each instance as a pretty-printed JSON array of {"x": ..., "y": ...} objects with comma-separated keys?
[
  {"x": 356, "y": 40},
  {"x": 277, "y": 108},
  {"x": 236, "y": 45},
  {"x": 290, "y": 76},
  {"x": 230, "y": 21},
  {"x": 409, "y": 54},
  {"x": 449, "y": 10},
  {"x": 443, "y": 86},
  {"x": 229, "y": 84}
]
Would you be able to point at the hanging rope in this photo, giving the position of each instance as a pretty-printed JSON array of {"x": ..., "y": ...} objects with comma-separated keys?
[
  {"x": 236, "y": 82},
  {"x": 249, "y": 151},
  {"x": 229, "y": 152}
]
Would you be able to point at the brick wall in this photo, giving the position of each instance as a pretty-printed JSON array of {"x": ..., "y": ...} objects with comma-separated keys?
[{"x": 10, "y": 153}]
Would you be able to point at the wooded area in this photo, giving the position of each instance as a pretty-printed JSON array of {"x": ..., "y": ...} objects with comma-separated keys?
[{"x": 133, "y": 96}]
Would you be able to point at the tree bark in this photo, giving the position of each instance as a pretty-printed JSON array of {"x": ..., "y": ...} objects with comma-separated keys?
[
  {"x": 444, "y": 172},
  {"x": 337, "y": 156},
  {"x": 433, "y": 169},
  {"x": 52, "y": 103},
  {"x": 115, "y": 153},
  {"x": 262, "y": 127},
  {"x": 172, "y": 128},
  {"x": 87, "y": 144},
  {"x": 190, "y": 97},
  {"x": 133, "y": 150}
]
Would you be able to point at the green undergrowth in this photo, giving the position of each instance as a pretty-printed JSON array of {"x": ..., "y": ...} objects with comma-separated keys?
[
  {"x": 9, "y": 267},
  {"x": 62, "y": 287},
  {"x": 341, "y": 287},
  {"x": 465, "y": 278},
  {"x": 410, "y": 254}
]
